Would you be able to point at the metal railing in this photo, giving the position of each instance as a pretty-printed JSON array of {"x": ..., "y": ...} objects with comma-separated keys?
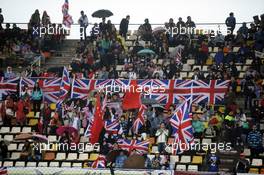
[{"x": 75, "y": 31}]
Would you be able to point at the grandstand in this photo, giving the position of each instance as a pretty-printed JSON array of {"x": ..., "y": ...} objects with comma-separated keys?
[{"x": 54, "y": 91}]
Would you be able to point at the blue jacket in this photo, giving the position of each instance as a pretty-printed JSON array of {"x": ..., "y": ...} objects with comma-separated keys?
[
  {"x": 254, "y": 139},
  {"x": 219, "y": 57}
]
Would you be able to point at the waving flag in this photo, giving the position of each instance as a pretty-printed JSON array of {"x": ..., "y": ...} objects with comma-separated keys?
[
  {"x": 139, "y": 122},
  {"x": 129, "y": 145},
  {"x": 51, "y": 89},
  {"x": 67, "y": 19},
  {"x": 182, "y": 126},
  {"x": 65, "y": 86},
  {"x": 8, "y": 86},
  {"x": 113, "y": 127},
  {"x": 98, "y": 122},
  {"x": 100, "y": 162},
  {"x": 211, "y": 92}
]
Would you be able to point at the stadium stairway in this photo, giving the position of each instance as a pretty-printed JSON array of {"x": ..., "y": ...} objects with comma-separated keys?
[{"x": 63, "y": 56}]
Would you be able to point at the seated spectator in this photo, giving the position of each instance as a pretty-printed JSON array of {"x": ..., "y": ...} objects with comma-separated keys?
[
  {"x": 3, "y": 150},
  {"x": 244, "y": 30},
  {"x": 9, "y": 73},
  {"x": 197, "y": 74},
  {"x": 26, "y": 153},
  {"x": 219, "y": 56},
  {"x": 254, "y": 140},
  {"x": 213, "y": 162},
  {"x": 156, "y": 161},
  {"x": 198, "y": 127},
  {"x": 120, "y": 160},
  {"x": 147, "y": 161},
  {"x": 241, "y": 165}
]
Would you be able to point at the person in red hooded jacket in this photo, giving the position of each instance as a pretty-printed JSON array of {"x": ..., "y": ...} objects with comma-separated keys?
[{"x": 20, "y": 113}]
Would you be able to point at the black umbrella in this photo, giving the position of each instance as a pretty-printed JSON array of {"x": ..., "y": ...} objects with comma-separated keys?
[{"x": 102, "y": 13}]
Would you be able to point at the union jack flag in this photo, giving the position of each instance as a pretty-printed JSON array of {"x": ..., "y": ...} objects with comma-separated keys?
[
  {"x": 139, "y": 122},
  {"x": 100, "y": 162},
  {"x": 3, "y": 170},
  {"x": 82, "y": 87},
  {"x": 182, "y": 126},
  {"x": 51, "y": 89},
  {"x": 211, "y": 92},
  {"x": 129, "y": 145},
  {"x": 88, "y": 129},
  {"x": 65, "y": 85},
  {"x": 112, "y": 126},
  {"x": 67, "y": 19},
  {"x": 171, "y": 91},
  {"x": 29, "y": 82},
  {"x": 8, "y": 86},
  {"x": 178, "y": 56},
  {"x": 49, "y": 86}
]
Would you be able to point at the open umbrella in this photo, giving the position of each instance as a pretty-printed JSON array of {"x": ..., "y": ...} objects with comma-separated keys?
[
  {"x": 40, "y": 138},
  {"x": 23, "y": 136},
  {"x": 102, "y": 13},
  {"x": 69, "y": 129},
  {"x": 146, "y": 52},
  {"x": 158, "y": 30}
]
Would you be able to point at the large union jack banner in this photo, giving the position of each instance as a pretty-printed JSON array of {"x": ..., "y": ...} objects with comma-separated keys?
[
  {"x": 8, "y": 86},
  {"x": 49, "y": 86},
  {"x": 166, "y": 92},
  {"x": 210, "y": 92}
]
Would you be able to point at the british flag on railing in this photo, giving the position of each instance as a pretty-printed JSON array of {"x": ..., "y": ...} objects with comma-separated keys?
[
  {"x": 182, "y": 126},
  {"x": 100, "y": 162},
  {"x": 129, "y": 145},
  {"x": 210, "y": 92},
  {"x": 65, "y": 86},
  {"x": 171, "y": 91},
  {"x": 139, "y": 122},
  {"x": 82, "y": 87},
  {"x": 8, "y": 86}
]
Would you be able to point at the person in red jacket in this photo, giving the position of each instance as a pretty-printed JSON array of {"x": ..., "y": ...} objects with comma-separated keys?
[{"x": 20, "y": 113}]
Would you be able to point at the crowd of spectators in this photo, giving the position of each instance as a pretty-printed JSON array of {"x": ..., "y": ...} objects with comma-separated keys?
[
  {"x": 97, "y": 57},
  {"x": 22, "y": 46}
]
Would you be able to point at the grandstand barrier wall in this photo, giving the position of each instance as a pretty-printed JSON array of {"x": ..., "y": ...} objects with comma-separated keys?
[{"x": 79, "y": 171}]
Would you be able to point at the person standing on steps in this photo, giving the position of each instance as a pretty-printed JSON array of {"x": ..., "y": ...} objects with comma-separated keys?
[{"x": 83, "y": 21}]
